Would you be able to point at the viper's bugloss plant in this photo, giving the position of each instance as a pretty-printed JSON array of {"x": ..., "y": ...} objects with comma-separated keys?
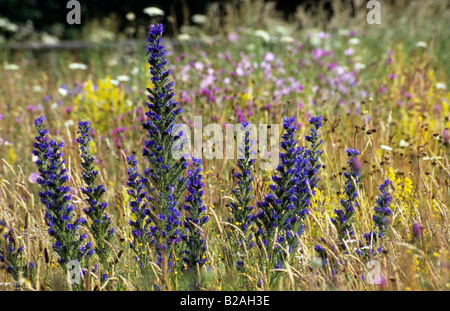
[
  {"x": 380, "y": 219},
  {"x": 241, "y": 207},
  {"x": 142, "y": 230},
  {"x": 307, "y": 166},
  {"x": 282, "y": 212},
  {"x": 314, "y": 153},
  {"x": 63, "y": 226},
  {"x": 100, "y": 225},
  {"x": 343, "y": 217},
  {"x": 12, "y": 254},
  {"x": 194, "y": 249},
  {"x": 382, "y": 210},
  {"x": 165, "y": 173}
]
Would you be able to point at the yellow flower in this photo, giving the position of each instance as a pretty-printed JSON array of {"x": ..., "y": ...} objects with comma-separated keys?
[
  {"x": 11, "y": 155},
  {"x": 97, "y": 101}
]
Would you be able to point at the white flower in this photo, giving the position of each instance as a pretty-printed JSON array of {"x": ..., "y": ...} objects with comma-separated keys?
[
  {"x": 123, "y": 78},
  {"x": 37, "y": 88},
  {"x": 441, "y": 86},
  {"x": 113, "y": 62},
  {"x": 262, "y": 34},
  {"x": 359, "y": 66},
  {"x": 432, "y": 158},
  {"x": 63, "y": 91},
  {"x": 403, "y": 143},
  {"x": 184, "y": 37},
  {"x": 384, "y": 147},
  {"x": 69, "y": 123},
  {"x": 315, "y": 41},
  {"x": 54, "y": 106},
  {"x": 134, "y": 71},
  {"x": 353, "y": 41},
  {"x": 421, "y": 44},
  {"x": 153, "y": 11},
  {"x": 287, "y": 39},
  {"x": 11, "y": 67},
  {"x": 74, "y": 66},
  {"x": 130, "y": 16},
  {"x": 350, "y": 241},
  {"x": 48, "y": 39},
  {"x": 199, "y": 19},
  {"x": 114, "y": 82}
]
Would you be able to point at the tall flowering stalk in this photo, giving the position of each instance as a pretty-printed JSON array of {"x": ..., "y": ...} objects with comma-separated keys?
[
  {"x": 380, "y": 219},
  {"x": 165, "y": 173},
  {"x": 343, "y": 217},
  {"x": 60, "y": 217},
  {"x": 307, "y": 166},
  {"x": 101, "y": 223},
  {"x": 194, "y": 252},
  {"x": 12, "y": 254},
  {"x": 382, "y": 210},
  {"x": 142, "y": 229},
  {"x": 241, "y": 208},
  {"x": 282, "y": 212},
  {"x": 314, "y": 153}
]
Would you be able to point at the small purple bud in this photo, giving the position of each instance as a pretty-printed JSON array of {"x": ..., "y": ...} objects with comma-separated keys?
[{"x": 417, "y": 230}]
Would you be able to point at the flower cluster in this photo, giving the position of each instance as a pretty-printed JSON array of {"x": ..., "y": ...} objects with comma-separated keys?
[
  {"x": 382, "y": 210},
  {"x": 282, "y": 212},
  {"x": 59, "y": 215},
  {"x": 242, "y": 208},
  {"x": 13, "y": 254},
  {"x": 142, "y": 230},
  {"x": 100, "y": 225},
  {"x": 194, "y": 237},
  {"x": 380, "y": 219},
  {"x": 343, "y": 218},
  {"x": 314, "y": 153},
  {"x": 165, "y": 173}
]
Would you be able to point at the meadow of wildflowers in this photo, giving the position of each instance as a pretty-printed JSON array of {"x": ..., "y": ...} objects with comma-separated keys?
[{"x": 88, "y": 176}]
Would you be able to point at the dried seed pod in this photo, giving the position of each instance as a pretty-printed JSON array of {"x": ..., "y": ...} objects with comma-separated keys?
[
  {"x": 26, "y": 221},
  {"x": 118, "y": 256},
  {"x": 47, "y": 259}
]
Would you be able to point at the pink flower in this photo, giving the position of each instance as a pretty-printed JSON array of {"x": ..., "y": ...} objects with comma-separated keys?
[
  {"x": 233, "y": 37},
  {"x": 31, "y": 108},
  {"x": 33, "y": 177},
  {"x": 382, "y": 282},
  {"x": 269, "y": 57},
  {"x": 348, "y": 52},
  {"x": 323, "y": 35}
]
